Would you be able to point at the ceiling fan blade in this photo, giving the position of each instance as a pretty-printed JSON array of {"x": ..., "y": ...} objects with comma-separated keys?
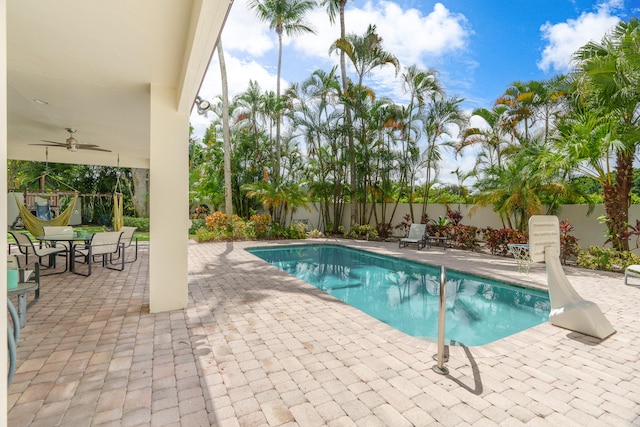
[
  {"x": 51, "y": 144},
  {"x": 94, "y": 148},
  {"x": 72, "y": 143}
]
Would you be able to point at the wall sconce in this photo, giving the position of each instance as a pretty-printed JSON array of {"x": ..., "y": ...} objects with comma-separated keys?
[{"x": 202, "y": 105}]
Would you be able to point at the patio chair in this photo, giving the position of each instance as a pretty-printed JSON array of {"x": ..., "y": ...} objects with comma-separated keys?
[
  {"x": 417, "y": 236},
  {"x": 127, "y": 241},
  {"x": 631, "y": 271},
  {"x": 58, "y": 230},
  {"x": 26, "y": 247},
  {"x": 106, "y": 245}
]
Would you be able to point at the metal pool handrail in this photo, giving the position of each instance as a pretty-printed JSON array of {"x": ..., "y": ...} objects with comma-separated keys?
[{"x": 440, "y": 368}]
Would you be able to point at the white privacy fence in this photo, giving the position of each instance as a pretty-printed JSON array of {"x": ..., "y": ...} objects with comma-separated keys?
[{"x": 587, "y": 228}]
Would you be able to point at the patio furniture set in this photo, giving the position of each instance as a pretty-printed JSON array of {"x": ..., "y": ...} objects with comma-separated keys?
[{"x": 77, "y": 248}]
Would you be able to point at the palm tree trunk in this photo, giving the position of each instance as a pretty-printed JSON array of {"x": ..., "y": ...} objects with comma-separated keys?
[
  {"x": 277, "y": 167},
  {"x": 228, "y": 201},
  {"x": 616, "y": 202},
  {"x": 347, "y": 114}
]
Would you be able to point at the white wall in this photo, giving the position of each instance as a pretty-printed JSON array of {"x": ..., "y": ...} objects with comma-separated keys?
[
  {"x": 587, "y": 228},
  {"x": 3, "y": 218}
]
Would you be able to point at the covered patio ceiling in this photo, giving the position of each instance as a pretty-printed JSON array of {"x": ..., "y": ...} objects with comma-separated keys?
[{"x": 89, "y": 65}]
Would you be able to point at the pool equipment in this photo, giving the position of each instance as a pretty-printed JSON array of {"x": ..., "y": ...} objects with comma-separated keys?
[{"x": 568, "y": 309}]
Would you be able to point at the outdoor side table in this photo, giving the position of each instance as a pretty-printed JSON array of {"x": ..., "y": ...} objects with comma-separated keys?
[
  {"x": 520, "y": 252},
  {"x": 439, "y": 240},
  {"x": 22, "y": 290}
]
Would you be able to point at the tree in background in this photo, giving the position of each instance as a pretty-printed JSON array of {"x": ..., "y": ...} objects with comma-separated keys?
[
  {"x": 607, "y": 90},
  {"x": 285, "y": 17}
]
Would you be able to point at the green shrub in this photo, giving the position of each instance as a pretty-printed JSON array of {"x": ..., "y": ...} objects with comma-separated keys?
[
  {"x": 298, "y": 231},
  {"x": 295, "y": 231},
  {"x": 196, "y": 223},
  {"x": 364, "y": 231},
  {"x": 141, "y": 223},
  {"x": 315, "y": 233},
  {"x": 204, "y": 234},
  {"x": 607, "y": 259}
]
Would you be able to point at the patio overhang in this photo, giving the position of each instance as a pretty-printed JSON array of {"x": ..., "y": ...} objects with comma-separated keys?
[
  {"x": 124, "y": 74},
  {"x": 90, "y": 66}
]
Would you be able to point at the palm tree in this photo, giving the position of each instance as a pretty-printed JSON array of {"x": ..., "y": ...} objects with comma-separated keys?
[
  {"x": 439, "y": 116},
  {"x": 337, "y": 7},
  {"x": 607, "y": 80},
  {"x": 513, "y": 190},
  {"x": 285, "y": 17},
  {"x": 493, "y": 140},
  {"x": 366, "y": 53},
  {"x": 519, "y": 99},
  {"x": 316, "y": 119},
  {"x": 421, "y": 85}
]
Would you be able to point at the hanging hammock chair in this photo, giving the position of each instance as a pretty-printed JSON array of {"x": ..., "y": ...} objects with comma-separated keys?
[
  {"x": 34, "y": 225},
  {"x": 118, "y": 202},
  {"x": 118, "y": 210}
]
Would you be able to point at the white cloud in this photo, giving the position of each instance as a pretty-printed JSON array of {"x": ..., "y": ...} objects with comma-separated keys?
[
  {"x": 243, "y": 32},
  {"x": 409, "y": 34},
  {"x": 565, "y": 38}
]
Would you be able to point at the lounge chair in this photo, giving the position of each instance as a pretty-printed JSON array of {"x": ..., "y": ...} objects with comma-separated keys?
[
  {"x": 631, "y": 271},
  {"x": 417, "y": 236}
]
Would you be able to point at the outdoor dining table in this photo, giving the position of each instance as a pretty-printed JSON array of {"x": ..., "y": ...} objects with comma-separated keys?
[{"x": 71, "y": 240}]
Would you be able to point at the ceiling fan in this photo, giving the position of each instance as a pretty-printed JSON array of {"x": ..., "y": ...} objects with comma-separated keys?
[{"x": 72, "y": 144}]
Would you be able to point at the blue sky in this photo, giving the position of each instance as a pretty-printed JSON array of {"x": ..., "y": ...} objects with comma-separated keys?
[{"x": 477, "y": 47}]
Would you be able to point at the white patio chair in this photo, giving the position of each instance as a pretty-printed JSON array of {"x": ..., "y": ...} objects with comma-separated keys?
[
  {"x": 26, "y": 247},
  {"x": 60, "y": 230},
  {"x": 106, "y": 245},
  {"x": 631, "y": 271},
  {"x": 417, "y": 236},
  {"x": 127, "y": 241}
]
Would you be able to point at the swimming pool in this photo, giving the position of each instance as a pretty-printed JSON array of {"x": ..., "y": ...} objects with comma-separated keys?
[{"x": 405, "y": 294}]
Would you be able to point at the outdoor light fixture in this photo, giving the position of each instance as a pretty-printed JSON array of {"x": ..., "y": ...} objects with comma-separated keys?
[
  {"x": 203, "y": 105},
  {"x": 72, "y": 144}
]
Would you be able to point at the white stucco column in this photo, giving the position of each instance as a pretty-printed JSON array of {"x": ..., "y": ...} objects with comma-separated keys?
[
  {"x": 168, "y": 201},
  {"x": 3, "y": 215}
]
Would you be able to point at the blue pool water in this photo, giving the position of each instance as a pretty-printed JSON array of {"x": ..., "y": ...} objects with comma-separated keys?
[{"x": 405, "y": 294}]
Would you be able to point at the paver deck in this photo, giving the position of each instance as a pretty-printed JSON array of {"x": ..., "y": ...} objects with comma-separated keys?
[{"x": 257, "y": 347}]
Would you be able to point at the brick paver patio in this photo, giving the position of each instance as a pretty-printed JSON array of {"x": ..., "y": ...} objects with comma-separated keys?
[{"x": 258, "y": 347}]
